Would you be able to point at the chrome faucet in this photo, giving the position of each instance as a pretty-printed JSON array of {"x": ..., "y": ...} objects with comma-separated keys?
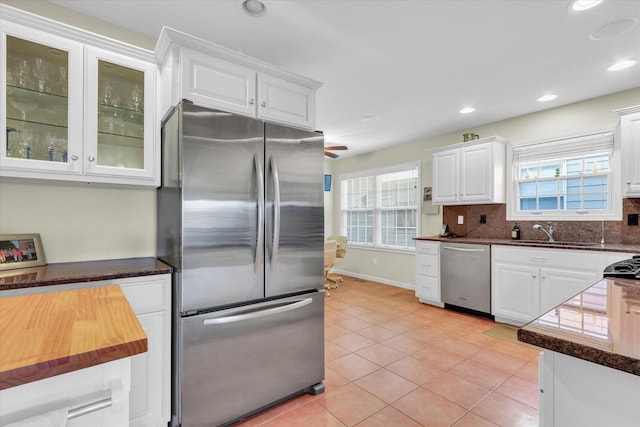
[{"x": 548, "y": 233}]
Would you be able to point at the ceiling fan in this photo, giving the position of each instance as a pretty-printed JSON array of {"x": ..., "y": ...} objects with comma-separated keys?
[{"x": 328, "y": 150}]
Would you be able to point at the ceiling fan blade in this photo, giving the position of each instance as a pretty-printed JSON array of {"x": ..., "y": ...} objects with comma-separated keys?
[
  {"x": 330, "y": 154},
  {"x": 337, "y": 147}
]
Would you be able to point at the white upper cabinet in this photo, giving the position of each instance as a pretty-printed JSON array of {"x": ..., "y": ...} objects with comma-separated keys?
[
  {"x": 629, "y": 133},
  {"x": 470, "y": 173},
  {"x": 120, "y": 122},
  {"x": 76, "y": 106},
  {"x": 446, "y": 177},
  {"x": 41, "y": 103},
  {"x": 210, "y": 81},
  {"x": 213, "y": 76},
  {"x": 286, "y": 102}
]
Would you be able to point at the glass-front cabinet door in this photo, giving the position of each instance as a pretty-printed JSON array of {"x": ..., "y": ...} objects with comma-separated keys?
[
  {"x": 120, "y": 115},
  {"x": 41, "y": 101}
]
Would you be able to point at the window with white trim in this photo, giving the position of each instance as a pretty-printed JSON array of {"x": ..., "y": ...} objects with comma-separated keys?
[
  {"x": 568, "y": 178},
  {"x": 381, "y": 208}
]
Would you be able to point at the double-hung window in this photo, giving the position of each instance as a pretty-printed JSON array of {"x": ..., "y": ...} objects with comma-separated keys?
[
  {"x": 381, "y": 208},
  {"x": 568, "y": 178}
]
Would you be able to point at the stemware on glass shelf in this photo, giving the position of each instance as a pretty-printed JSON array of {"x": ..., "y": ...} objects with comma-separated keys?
[{"x": 42, "y": 72}]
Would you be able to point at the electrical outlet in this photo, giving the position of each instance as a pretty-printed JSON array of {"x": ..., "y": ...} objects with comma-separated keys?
[
  {"x": 632, "y": 219},
  {"x": 460, "y": 219},
  {"x": 483, "y": 219}
]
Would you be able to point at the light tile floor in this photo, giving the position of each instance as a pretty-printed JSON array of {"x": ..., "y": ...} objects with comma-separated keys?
[{"x": 392, "y": 361}]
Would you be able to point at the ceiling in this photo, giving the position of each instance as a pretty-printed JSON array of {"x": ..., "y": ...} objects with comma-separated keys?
[{"x": 399, "y": 71}]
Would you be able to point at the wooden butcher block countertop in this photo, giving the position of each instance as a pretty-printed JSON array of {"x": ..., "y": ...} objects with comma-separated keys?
[{"x": 47, "y": 334}]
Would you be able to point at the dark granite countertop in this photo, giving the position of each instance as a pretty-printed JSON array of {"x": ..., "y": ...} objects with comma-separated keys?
[
  {"x": 85, "y": 271},
  {"x": 598, "y": 325},
  {"x": 586, "y": 246}
]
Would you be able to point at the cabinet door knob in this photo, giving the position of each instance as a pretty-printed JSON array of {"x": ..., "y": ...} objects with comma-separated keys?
[
  {"x": 264, "y": 103},
  {"x": 251, "y": 101},
  {"x": 91, "y": 158},
  {"x": 533, "y": 276},
  {"x": 74, "y": 157}
]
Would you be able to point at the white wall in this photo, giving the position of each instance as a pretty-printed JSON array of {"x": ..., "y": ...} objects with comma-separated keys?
[
  {"x": 81, "y": 223},
  {"x": 399, "y": 269}
]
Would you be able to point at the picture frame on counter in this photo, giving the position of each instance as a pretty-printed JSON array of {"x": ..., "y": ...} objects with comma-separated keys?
[{"x": 21, "y": 251}]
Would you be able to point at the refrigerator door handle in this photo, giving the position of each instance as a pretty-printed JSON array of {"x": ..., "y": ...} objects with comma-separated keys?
[
  {"x": 258, "y": 313},
  {"x": 276, "y": 212},
  {"x": 260, "y": 234}
]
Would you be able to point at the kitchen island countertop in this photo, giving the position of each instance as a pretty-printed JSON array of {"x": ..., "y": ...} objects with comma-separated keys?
[
  {"x": 48, "y": 334},
  {"x": 586, "y": 246},
  {"x": 598, "y": 325},
  {"x": 78, "y": 272}
]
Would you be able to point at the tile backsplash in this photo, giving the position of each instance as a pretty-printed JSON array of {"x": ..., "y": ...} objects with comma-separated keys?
[{"x": 615, "y": 232}]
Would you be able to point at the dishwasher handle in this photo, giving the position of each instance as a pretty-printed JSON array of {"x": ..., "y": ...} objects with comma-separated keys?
[
  {"x": 258, "y": 313},
  {"x": 456, "y": 249}
]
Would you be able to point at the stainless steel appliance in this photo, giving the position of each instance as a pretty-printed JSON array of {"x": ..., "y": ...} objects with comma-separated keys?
[
  {"x": 240, "y": 218},
  {"x": 465, "y": 276}
]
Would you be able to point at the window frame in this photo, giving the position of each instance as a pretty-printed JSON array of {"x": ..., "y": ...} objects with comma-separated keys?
[
  {"x": 614, "y": 194},
  {"x": 377, "y": 208}
]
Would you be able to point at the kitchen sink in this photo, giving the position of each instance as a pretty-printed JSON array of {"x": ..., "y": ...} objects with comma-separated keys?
[{"x": 547, "y": 243}]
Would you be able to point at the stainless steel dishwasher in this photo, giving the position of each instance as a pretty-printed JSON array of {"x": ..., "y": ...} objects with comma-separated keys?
[{"x": 465, "y": 276}]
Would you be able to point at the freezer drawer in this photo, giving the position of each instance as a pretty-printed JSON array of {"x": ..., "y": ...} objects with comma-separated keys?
[{"x": 236, "y": 361}]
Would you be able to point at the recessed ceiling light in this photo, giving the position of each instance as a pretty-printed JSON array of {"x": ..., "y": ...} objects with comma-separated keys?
[
  {"x": 254, "y": 7},
  {"x": 467, "y": 110},
  {"x": 582, "y": 5},
  {"x": 369, "y": 119},
  {"x": 548, "y": 97},
  {"x": 621, "y": 65},
  {"x": 613, "y": 28}
]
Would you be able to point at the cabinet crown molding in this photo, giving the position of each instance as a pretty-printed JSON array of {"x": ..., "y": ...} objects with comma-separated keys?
[
  {"x": 627, "y": 110},
  {"x": 67, "y": 31},
  {"x": 494, "y": 138},
  {"x": 170, "y": 37}
]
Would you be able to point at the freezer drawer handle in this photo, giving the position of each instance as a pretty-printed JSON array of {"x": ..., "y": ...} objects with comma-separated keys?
[
  {"x": 259, "y": 313},
  {"x": 276, "y": 213},
  {"x": 260, "y": 236},
  {"x": 449, "y": 248}
]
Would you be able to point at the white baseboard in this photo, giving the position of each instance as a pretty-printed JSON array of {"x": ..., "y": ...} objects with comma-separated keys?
[{"x": 375, "y": 279}]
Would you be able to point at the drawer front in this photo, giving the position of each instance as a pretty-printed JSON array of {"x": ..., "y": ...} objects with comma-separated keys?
[
  {"x": 542, "y": 257},
  {"x": 428, "y": 287},
  {"x": 427, "y": 248},
  {"x": 146, "y": 296},
  {"x": 427, "y": 265}
]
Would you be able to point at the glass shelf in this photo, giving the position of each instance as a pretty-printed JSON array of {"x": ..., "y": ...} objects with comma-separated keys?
[
  {"x": 120, "y": 121},
  {"x": 36, "y": 141},
  {"x": 32, "y": 106},
  {"x": 120, "y": 151}
]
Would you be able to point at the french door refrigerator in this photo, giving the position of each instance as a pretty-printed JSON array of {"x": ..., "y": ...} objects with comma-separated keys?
[{"x": 240, "y": 219}]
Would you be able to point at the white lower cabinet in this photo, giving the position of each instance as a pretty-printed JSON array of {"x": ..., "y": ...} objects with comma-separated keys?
[
  {"x": 150, "y": 299},
  {"x": 48, "y": 401},
  {"x": 574, "y": 392},
  {"x": 428, "y": 272},
  {"x": 515, "y": 292},
  {"x": 527, "y": 282}
]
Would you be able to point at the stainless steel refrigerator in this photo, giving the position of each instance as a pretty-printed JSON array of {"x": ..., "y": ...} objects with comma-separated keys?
[{"x": 240, "y": 218}]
